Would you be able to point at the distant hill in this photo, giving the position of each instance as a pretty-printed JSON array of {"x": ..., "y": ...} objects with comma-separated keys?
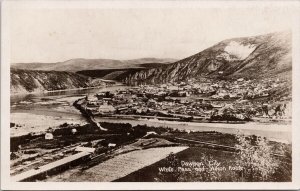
[
  {"x": 75, "y": 73},
  {"x": 118, "y": 74},
  {"x": 253, "y": 57},
  {"x": 80, "y": 64},
  {"x": 110, "y": 74},
  {"x": 29, "y": 81}
]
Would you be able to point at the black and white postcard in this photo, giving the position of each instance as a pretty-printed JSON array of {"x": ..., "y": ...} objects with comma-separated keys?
[{"x": 150, "y": 94}]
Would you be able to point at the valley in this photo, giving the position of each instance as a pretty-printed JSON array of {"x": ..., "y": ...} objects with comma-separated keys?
[{"x": 81, "y": 119}]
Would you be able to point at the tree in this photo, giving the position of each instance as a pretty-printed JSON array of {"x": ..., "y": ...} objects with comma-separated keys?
[{"x": 255, "y": 156}]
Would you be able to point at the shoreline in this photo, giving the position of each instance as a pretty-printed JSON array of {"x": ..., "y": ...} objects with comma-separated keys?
[
  {"x": 64, "y": 90},
  {"x": 46, "y": 91},
  {"x": 182, "y": 122},
  {"x": 278, "y": 132}
]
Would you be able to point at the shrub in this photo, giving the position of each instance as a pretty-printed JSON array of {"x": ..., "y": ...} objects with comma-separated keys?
[{"x": 255, "y": 156}]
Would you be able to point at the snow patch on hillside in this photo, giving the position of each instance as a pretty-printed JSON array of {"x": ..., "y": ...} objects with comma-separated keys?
[{"x": 238, "y": 50}]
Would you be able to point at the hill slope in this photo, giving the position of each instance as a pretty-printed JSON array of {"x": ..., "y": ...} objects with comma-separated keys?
[
  {"x": 26, "y": 81},
  {"x": 252, "y": 57}
]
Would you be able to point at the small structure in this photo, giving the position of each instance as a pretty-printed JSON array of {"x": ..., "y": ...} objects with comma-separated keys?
[
  {"x": 112, "y": 145},
  {"x": 91, "y": 97},
  {"x": 56, "y": 165},
  {"x": 74, "y": 131},
  {"x": 150, "y": 133},
  {"x": 106, "y": 109},
  {"x": 48, "y": 136},
  {"x": 85, "y": 149}
]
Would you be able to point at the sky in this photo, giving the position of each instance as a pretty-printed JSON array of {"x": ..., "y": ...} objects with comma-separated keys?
[{"x": 55, "y": 35}]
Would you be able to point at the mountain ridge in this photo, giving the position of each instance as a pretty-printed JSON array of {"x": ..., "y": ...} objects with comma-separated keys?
[{"x": 236, "y": 57}]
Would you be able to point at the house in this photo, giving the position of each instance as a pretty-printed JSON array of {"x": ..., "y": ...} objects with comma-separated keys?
[
  {"x": 106, "y": 109},
  {"x": 85, "y": 149},
  {"x": 48, "y": 136},
  {"x": 74, "y": 131},
  {"x": 112, "y": 145},
  {"x": 91, "y": 98},
  {"x": 172, "y": 88},
  {"x": 150, "y": 133},
  {"x": 183, "y": 93},
  {"x": 216, "y": 106}
]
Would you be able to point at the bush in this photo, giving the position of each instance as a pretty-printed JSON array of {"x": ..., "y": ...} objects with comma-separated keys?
[{"x": 255, "y": 156}]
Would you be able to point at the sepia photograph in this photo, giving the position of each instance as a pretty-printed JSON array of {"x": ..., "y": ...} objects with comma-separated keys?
[{"x": 148, "y": 92}]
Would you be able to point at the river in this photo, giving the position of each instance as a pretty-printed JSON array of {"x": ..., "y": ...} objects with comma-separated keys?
[
  {"x": 37, "y": 112},
  {"x": 74, "y": 92}
]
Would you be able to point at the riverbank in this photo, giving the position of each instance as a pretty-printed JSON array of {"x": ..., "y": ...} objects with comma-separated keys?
[
  {"x": 64, "y": 90},
  {"x": 25, "y": 123},
  {"x": 276, "y": 132}
]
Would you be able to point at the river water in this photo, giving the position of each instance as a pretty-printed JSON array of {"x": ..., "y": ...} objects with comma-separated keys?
[
  {"x": 76, "y": 92},
  {"x": 59, "y": 105}
]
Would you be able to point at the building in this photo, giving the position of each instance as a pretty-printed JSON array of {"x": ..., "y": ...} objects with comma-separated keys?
[{"x": 106, "y": 109}]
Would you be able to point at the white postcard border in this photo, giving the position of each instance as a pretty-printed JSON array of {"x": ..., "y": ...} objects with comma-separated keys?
[{"x": 6, "y": 184}]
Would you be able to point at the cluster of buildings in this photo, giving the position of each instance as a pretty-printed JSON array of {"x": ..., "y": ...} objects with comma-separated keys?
[{"x": 194, "y": 99}]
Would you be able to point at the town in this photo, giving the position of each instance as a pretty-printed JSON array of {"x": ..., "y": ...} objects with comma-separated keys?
[{"x": 203, "y": 99}]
